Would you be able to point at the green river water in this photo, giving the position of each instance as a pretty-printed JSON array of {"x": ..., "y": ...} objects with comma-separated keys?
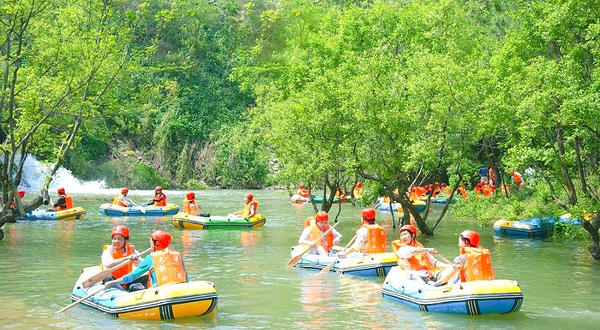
[{"x": 41, "y": 260}]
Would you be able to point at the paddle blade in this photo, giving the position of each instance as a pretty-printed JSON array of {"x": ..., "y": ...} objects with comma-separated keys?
[{"x": 328, "y": 268}]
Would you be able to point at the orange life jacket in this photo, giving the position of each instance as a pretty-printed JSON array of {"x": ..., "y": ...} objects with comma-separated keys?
[
  {"x": 189, "y": 207},
  {"x": 116, "y": 201},
  {"x": 488, "y": 190},
  {"x": 68, "y": 203},
  {"x": 478, "y": 265},
  {"x": 246, "y": 210},
  {"x": 116, "y": 254},
  {"x": 303, "y": 193},
  {"x": 309, "y": 221},
  {"x": 168, "y": 267},
  {"x": 462, "y": 191},
  {"x": 417, "y": 262},
  {"x": 327, "y": 241},
  {"x": 375, "y": 238},
  {"x": 357, "y": 192},
  {"x": 162, "y": 202},
  {"x": 518, "y": 178}
]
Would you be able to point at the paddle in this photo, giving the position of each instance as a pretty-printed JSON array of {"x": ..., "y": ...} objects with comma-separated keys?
[
  {"x": 443, "y": 259},
  {"x": 328, "y": 268},
  {"x": 103, "y": 274},
  {"x": 80, "y": 300},
  {"x": 297, "y": 258}
]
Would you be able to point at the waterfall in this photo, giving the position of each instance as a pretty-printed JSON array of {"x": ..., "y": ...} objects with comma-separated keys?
[{"x": 34, "y": 173}]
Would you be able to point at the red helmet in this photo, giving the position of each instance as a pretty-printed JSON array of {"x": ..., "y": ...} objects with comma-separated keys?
[
  {"x": 124, "y": 191},
  {"x": 359, "y": 184},
  {"x": 472, "y": 236},
  {"x": 410, "y": 228},
  {"x": 368, "y": 214},
  {"x": 301, "y": 186},
  {"x": 250, "y": 196},
  {"x": 121, "y": 230},
  {"x": 190, "y": 195},
  {"x": 322, "y": 216},
  {"x": 61, "y": 190},
  {"x": 21, "y": 192},
  {"x": 158, "y": 188},
  {"x": 162, "y": 238}
]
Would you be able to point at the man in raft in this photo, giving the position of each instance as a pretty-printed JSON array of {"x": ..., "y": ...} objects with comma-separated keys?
[
  {"x": 250, "y": 208},
  {"x": 63, "y": 202},
  {"x": 163, "y": 265},
  {"x": 370, "y": 238},
  {"x": 119, "y": 251},
  {"x": 413, "y": 256},
  {"x": 316, "y": 229}
]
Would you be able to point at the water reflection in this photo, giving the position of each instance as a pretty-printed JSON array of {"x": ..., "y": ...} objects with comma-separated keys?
[{"x": 315, "y": 296}]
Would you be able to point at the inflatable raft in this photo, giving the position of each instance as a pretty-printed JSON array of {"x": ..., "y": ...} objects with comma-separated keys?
[
  {"x": 297, "y": 199},
  {"x": 68, "y": 214},
  {"x": 184, "y": 220},
  {"x": 378, "y": 264},
  {"x": 385, "y": 207},
  {"x": 533, "y": 227},
  {"x": 137, "y": 211},
  {"x": 469, "y": 298},
  {"x": 169, "y": 301}
]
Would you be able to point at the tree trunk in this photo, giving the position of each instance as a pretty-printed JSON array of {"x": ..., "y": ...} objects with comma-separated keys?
[
  {"x": 592, "y": 227},
  {"x": 565, "y": 171}
]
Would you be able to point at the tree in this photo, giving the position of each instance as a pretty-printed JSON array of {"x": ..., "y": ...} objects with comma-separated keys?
[
  {"x": 60, "y": 60},
  {"x": 547, "y": 67}
]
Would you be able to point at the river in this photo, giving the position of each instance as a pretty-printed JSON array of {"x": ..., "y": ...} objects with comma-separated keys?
[{"x": 41, "y": 260}]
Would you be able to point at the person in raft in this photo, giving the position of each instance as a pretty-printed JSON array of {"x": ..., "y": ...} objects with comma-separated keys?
[
  {"x": 475, "y": 260},
  {"x": 160, "y": 199},
  {"x": 163, "y": 265},
  {"x": 414, "y": 257},
  {"x": 357, "y": 191},
  {"x": 189, "y": 204},
  {"x": 21, "y": 194},
  {"x": 316, "y": 229},
  {"x": 250, "y": 208},
  {"x": 118, "y": 252},
  {"x": 370, "y": 238},
  {"x": 63, "y": 202},
  {"x": 122, "y": 199},
  {"x": 302, "y": 191}
]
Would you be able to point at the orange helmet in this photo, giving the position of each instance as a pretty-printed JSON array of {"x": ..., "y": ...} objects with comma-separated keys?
[
  {"x": 250, "y": 196},
  {"x": 162, "y": 238},
  {"x": 471, "y": 236},
  {"x": 158, "y": 188},
  {"x": 61, "y": 190},
  {"x": 410, "y": 228},
  {"x": 322, "y": 216},
  {"x": 190, "y": 195},
  {"x": 124, "y": 191},
  {"x": 121, "y": 230},
  {"x": 368, "y": 214},
  {"x": 21, "y": 193}
]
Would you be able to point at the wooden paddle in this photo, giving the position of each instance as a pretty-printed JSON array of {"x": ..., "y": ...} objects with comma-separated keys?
[
  {"x": 297, "y": 258},
  {"x": 103, "y": 274},
  {"x": 443, "y": 259},
  {"x": 80, "y": 300},
  {"x": 328, "y": 268}
]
